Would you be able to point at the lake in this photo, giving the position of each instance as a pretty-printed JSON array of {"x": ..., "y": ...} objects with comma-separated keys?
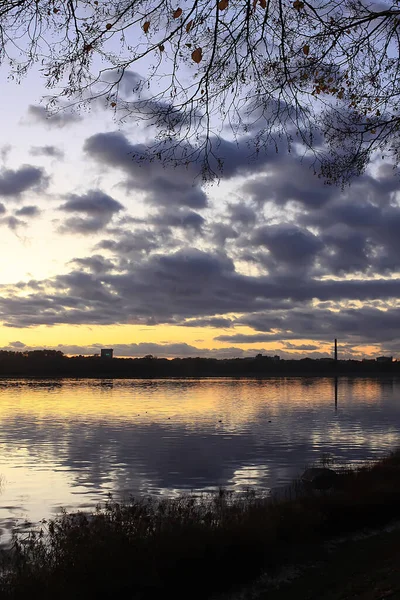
[{"x": 71, "y": 443}]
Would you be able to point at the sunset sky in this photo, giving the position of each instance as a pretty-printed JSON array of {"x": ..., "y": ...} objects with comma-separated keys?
[{"x": 97, "y": 250}]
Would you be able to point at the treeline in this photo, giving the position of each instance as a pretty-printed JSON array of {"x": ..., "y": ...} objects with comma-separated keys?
[{"x": 53, "y": 363}]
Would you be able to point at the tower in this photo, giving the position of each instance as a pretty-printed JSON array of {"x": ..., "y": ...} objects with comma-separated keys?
[{"x": 335, "y": 353}]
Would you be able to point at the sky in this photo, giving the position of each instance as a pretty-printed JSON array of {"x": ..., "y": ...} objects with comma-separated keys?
[{"x": 100, "y": 251}]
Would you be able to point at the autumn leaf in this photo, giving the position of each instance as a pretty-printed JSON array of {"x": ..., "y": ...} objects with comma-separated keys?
[
  {"x": 306, "y": 49},
  {"x": 298, "y": 5},
  {"x": 113, "y": 104},
  {"x": 189, "y": 26},
  {"x": 146, "y": 26},
  {"x": 177, "y": 13},
  {"x": 197, "y": 55},
  {"x": 223, "y": 4},
  {"x": 161, "y": 47},
  {"x": 108, "y": 26},
  {"x": 263, "y": 3}
]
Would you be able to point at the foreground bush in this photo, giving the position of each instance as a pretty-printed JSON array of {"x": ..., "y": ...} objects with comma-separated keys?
[{"x": 191, "y": 546}]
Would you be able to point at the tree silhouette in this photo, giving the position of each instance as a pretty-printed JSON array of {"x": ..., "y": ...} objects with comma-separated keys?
[{"x": 318, "y": 76}]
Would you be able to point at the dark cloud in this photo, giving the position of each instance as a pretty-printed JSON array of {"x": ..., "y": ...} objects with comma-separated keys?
[
  {"x": 356, "y": 325},
  {"x": 141, "y": 241},
  {"x": 218, "y": 322},
  {"x": 288, "y": 243},
  {"x": 96, "y": 264},
  {"x": 293, "y": 259},
  {"x": 162, "y": 187},
  {"x": 127, "y": 82},
  {"x": 82, "y": 226},
  {"x": 28, "y": 211},
  {"x": 17, "y": 345},
  {"x": 187, "y": 219},
  {"x": 5, "y": 151},
  {"x": 12, "y": 222},
  {"x": 242, "y": 213},
  {"x": 299, "y": 347},
  {"x": 155, "y": 114},
  {"x": 60, "y": 119},
  {"x": 14, "y": 182},
  {"x": 221, "y": 233},
  {"x": 288, "y": 180},
  {"x": 2, "y": 209},
  {"x": 191, "y": 284},
  {"x": 93, "y": 203},
  {"x": 166, "y": 350},
  {"x": 358, "y": 232},
  {"x": 98, "y": 208},
  {"x": 51, "y": 151}
]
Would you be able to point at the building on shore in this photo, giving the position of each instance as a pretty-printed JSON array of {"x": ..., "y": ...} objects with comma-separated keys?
[
  {"x": 384, "y": 359},
  {"x": 106, "y": 352}
]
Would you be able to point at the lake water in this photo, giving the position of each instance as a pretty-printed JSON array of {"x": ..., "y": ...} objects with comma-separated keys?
[{"x": 70, "y": 443}]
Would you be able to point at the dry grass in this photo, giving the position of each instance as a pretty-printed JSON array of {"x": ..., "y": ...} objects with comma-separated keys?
[{"x": 192, "y": 546}]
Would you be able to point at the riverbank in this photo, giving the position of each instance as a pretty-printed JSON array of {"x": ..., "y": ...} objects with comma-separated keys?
[
  {"x": 199, "y": 546},
  {"x": 363, "y": 567},
  {"x": 53, "y": 364}
]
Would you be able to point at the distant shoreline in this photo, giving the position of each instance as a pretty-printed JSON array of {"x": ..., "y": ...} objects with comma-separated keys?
[
  {"x": 249, "y": 377},
  {"x": 54, "y": 364}
]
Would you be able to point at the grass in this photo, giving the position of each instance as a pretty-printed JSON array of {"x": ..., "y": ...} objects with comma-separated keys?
[{"x": 193, "y": 546}]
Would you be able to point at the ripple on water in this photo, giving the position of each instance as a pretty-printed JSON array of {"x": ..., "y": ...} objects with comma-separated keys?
[{"x": 73, "y": 443}]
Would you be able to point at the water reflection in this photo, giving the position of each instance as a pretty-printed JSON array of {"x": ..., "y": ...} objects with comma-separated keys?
[
  {"x": 336, "y": 392},
  {"x": 70, "y": 443}
]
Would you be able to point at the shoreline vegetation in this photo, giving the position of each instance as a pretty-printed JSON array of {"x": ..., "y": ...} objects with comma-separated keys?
[
  {"x": 54, "y": 364},
  {"x": 196, "y": 546}
]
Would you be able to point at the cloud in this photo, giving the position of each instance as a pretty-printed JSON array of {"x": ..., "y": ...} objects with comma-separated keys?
[
  {"x": 141, "y": 241},
  {"x": 5, "y": 151},
  {"x": 299, "y": 347},
  {"x": 51, "y": 151},
  {"x": 77, "y": 225},
  {"x": 141, "y": 349},
  {"x": 63, "y": 118},
  {"x": 288, "y": 243},
  {"x": 14, "y": 182},
  {"x": 98, "y": 208},
  {"x": 127, "y": 81},
  {"x": 291, "y": 260},
  {"x": 17, "y": 345},
  {"x": 241, "y": 213},
  {"x": 167, "y": 350},
  {"x": 218, "y": 322},
  {"x": 93, "y": 203},
  {"x": 12, "y": 223},
  {"x": 190, "y": 284},
  {"x": 161, "y": 186},
  {"x": 28, "y": 211},
  {"x": 96, "y": 264},
  {"x": 355, "y": 325},
  {"x": 186, "y": 219}
]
